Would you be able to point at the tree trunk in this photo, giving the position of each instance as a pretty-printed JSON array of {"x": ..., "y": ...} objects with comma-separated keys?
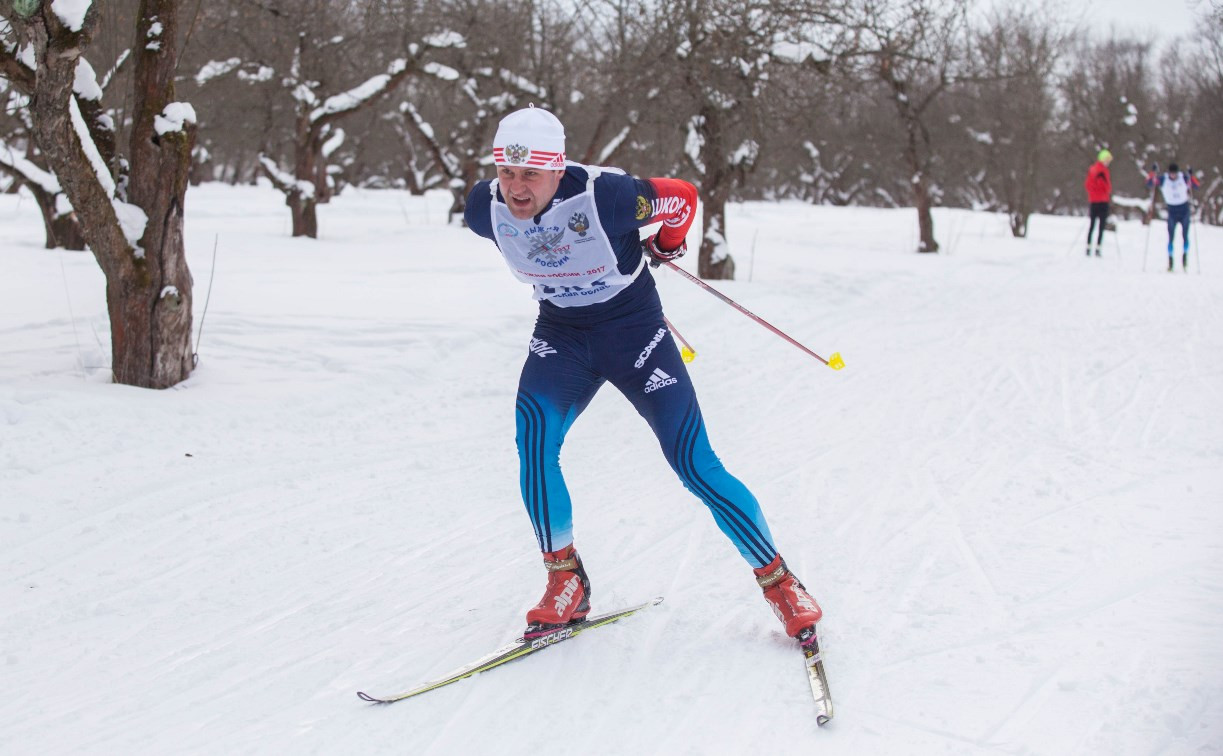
[
  {"x": 305, "y": 160},
  {"x": 925, "y": 219},
  {"x": 461, "y": 186},
  {"x": 1019, "y": 224},
  {"x": 159, "y": 306},
  {"x": 1021, "y": 204},
  {"x": 921, "y": 190},
  {"x": 305, "y": 214},
  {"x": 148, "y": 286},
  {"x": 714, "y": 261},
  {"x": 1025, "y": 186},
  {"x": 62, "y": 231}
]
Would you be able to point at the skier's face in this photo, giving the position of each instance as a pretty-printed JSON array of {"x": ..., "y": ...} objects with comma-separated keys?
[{"x": 527, "y": 191}]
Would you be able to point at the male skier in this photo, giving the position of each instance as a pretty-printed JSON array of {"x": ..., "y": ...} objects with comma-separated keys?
[
  {"x": 571, "y": 231},
  {"x": 1177, "y": 188}
]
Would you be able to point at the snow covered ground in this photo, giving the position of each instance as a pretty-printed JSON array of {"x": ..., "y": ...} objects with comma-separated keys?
[{"x": 1009, "y": 503}]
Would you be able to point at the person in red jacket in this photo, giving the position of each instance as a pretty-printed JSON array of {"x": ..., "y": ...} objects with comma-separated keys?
[{"x": 1099, "y": 185}]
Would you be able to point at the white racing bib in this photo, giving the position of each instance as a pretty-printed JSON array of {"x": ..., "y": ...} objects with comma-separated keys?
[
  {"x": 566, "y": 256},
  {"x": 1175, "y": 191}
]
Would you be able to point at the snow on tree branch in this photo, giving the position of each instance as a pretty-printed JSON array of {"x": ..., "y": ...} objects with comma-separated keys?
[
  {"x": 450, "y": 163},
  {"x": 612, "y": 145},
  {"x": 26, "y": 57},
  {"x": 445, "y": 73},
  {"x": 71, "y": 13},
  {"x": 214, "y": 68},
  {"x": 263, "y": 73},
  {"x": 154, "y": 36},
  {"x": 132, "y": 219},
  {"x": 694, "y": 143},
  {"x": 100, "y": 169},
  {"x": 361, "y": 94},
  {"x": 284, "y": 181},
  {"x": 522, "y": 84},
  {"x": 110, "y": 75},
  {"x": 714, "y": 235},
  {"x": 173, "y": 117},
  {"x": 333, "y": 143},
  {"x": 445, "y": 39},
  {"x": 85, "y": 84},
  {"x": 303, "y": 94},
  {"x": 17, "y": 163},
  {"x": 746, "y": 153}
]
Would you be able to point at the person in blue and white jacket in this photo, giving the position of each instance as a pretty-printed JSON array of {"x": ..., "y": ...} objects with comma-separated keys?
[
  {"x": 1177, "y": 188},
  {"x": 571, "y": 231}
]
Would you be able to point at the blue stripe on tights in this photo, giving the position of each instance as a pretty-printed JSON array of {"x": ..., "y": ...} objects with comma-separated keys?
[
  {"x": 534, "y": 489},
  {"x": 749, "y": 534}
]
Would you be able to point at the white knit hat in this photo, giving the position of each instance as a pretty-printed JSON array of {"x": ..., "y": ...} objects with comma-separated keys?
[{"x": 531, "y": 137}]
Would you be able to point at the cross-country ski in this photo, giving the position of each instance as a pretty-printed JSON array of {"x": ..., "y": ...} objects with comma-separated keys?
[
  {"x": 816, "y": 676},
  {"x": 511, "y": 652}
]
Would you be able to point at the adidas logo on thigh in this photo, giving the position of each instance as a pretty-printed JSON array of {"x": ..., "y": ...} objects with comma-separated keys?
[{"x": 659, "y": 379}]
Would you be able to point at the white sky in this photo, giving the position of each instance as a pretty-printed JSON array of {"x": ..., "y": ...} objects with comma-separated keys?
[{"x": 1163, "y": 18}]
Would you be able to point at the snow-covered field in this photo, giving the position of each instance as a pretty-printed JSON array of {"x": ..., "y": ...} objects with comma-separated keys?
[{"x": 1009, "y": 504}]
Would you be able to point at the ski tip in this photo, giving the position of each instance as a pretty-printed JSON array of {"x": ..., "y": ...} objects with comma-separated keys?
[
  {"x": 368, "y": 698},
  {"x": 823, "y": 719},
  {"x": 657, "y": 600}
]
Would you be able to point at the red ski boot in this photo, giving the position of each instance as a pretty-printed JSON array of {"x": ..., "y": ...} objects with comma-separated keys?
[
  {"x": 789, "y": 599},
  {"x": 566, "y": 599}
]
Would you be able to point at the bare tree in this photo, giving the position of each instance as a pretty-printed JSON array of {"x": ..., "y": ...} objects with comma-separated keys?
[
  {"x": 134, "y": 227},
  {"x": 1008, "y": 113},
  {"x": 1109, "y": 98},
  {"x": 21, "y": 163},
  {"x": 481, "y": 95},
  {"x": 299, "y": 68},
  {"x": 719, "y": 57},
  {"x": 917, "y": 109},
  {"x": 20, "y": 158},
  {"x": 916, "y": 49},
  {"x": 316, "y": 134},
  {"x": 1199, "y": 125}
]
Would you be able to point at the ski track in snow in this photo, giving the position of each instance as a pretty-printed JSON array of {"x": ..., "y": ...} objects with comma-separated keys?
[{"x": 1008, "y": 503}]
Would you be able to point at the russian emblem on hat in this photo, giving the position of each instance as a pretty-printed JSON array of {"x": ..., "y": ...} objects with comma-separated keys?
[{"x": 516, "y": 153}]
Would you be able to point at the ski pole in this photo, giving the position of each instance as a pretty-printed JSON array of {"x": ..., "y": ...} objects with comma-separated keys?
[
  {"x": 835, "y": 362},
  {"x": 1197, "y": 250},
  {"x": 1083, "y": 227},
  {"x": 1150, "y": 219},
  {"x": 687, "y": 353},
  {"x": 1146, "y": 245}
]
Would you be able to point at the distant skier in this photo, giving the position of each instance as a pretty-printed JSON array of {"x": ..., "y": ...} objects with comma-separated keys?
[
  {"x": 1177, "y": 188},
  {"x": 1099, "y": 186},
  {"x": 571, "y": 231}
]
